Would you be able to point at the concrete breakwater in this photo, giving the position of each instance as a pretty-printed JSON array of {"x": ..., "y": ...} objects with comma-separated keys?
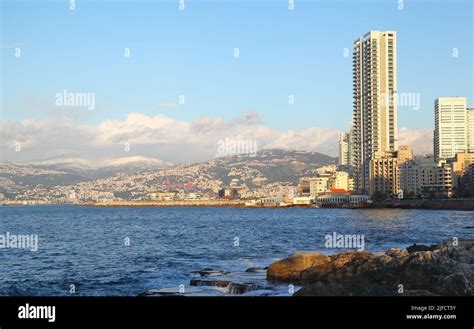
[{"x": 174, "y": 203}]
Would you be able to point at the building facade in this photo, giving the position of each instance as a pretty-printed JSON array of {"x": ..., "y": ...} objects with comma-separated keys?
[
  {"x": 341, "y": 181},
  {"x": 470, "y": 129},
  {"x": 374, "y": 121},
  {"x": 424, "y": 178},
  {"x": 461, "y": 165},
  {"x": 451, "y": 127},
  {"x": 320, "y": 184},
  {"x": 383, "y": 173},
  {"x": 344, "y": 142}
]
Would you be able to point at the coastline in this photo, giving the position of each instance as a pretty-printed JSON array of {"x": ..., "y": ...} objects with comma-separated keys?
[{"x": 422, "y": 204}]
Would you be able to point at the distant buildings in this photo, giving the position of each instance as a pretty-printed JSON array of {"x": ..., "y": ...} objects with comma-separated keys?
[
  {"x": 228, "y": 193},
  {"x": 303, "y": 187},
  {"x": 375, "y": 101},
  {"x": 344, "y": 142},
  {"x": 463, "y": 174},
  {"x": 342, "y": 181},
  {"x": 383, "y": 170},
  {"x": 173, "y": 195},
  {"x": 424, "y": 178},
  {"x": 330, "y": 180},
  {"x": 320, "y": 184},
  {"x": 454, "y": 132}
]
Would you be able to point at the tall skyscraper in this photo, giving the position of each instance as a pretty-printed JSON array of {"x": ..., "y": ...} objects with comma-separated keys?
[
  {"x": 375, "y": 101},
  {"x": 451, "y": 127}
]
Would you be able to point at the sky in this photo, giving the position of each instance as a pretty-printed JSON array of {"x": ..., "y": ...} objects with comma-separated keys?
[{"x": 182, "y": 88}]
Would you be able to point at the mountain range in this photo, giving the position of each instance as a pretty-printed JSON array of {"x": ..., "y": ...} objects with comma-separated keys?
[{"x": 143, "y": 175}]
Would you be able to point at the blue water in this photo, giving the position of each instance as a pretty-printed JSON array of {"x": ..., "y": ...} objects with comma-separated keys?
[{"x": 85, "y": 246}]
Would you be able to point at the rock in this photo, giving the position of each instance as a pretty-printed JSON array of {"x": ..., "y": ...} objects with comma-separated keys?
[
  {"x": 211, "y": 272},
  {"x": 343, "y": 258},
  {"x": 421, "y": 247},
  {"x": 455, "y": 284},
  {"x": 335, "y": 267},
  {"x": 322, "y": 289},
  {"x": 240, "y": 288},
  {"x": 162, "y": 292},
  {"x": 256, "y": 269},
  {"x": 227, "y": 287},
  {"x": 417, "y": 293},
  {"x": 396, "y": 252},
  {"x": 345, "y": 289},
  {"x": 445, "y": 269},
  {"x": 289, "y": 269},
  {"x": 213, "y": 283}
]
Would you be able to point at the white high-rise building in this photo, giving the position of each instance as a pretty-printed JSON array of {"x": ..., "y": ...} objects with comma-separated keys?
[
  {"x": 374, "y": 119},
  {"x": 451, "y": 127},
  {"x": 344, "y": 158}
]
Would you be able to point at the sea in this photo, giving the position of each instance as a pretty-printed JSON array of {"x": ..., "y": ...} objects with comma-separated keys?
[{"x": 157, "y": 251}]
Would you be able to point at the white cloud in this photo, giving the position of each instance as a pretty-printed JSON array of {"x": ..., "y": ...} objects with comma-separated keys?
[
  {"x": 167, "y": 138},
  {"x": 420, "y": 138}
]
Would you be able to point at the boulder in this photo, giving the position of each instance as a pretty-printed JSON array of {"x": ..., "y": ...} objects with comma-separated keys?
[
  {"x": 338, "y": 266},
  {"x": 289, "y": 269},
  {"x": 445, "y": 269}
]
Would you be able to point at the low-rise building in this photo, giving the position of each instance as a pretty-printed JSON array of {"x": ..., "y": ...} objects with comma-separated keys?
[
  {"x": 341, "y": 180},
  {"x": 383, "y": 173},
  {"x": 461, "y": 165},
  {"x": 423, "y": 177},
  {"x": 271, "y": 201},
  {"x": 320, "y": 184}
]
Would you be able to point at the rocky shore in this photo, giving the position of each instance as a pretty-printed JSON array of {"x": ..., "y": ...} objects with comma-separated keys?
[
  {"x": 446, "y": 269},
  {"x": 443, "y": 204}
]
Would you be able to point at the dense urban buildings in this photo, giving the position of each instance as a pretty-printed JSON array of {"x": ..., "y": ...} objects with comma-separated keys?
[
  {"x": 424, "y": 178},
  {"x": 383, "y": 170},
  {"x": 375, "y": 101}
]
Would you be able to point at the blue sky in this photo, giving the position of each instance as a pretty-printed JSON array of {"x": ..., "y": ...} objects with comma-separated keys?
[{"x": 190, "y": 53}]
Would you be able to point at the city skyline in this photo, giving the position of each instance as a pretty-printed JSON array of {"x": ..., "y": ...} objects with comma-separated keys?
[
  {"x": 236, "y": 150},
  {"x": 179, "y": 127}
]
